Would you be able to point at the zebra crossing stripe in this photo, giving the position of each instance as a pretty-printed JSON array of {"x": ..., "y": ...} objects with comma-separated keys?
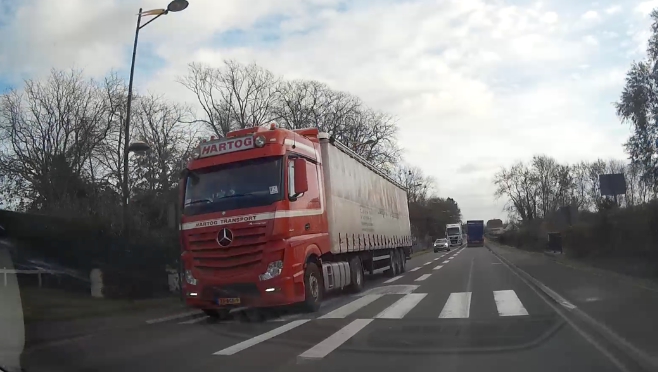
[
  {"x": 438, "y": 267},
  {"x": 422, "y": 277},
  {"x": 353, "y": 306},
  {"x": 334, "y": 341},
  {"x": 402, "y": 306},
  {"x": 260, "y": 338},
  {"x": 508, "y": 303},
  {"x": 457, "y": 306}
]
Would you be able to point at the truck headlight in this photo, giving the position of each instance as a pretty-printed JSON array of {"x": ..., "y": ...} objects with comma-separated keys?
[
  {"x": 189, "y": 278},
  {"x": 273, "y": 270}
]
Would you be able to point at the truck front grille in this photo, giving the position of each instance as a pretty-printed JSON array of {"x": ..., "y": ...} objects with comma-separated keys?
[{"x": 244, "y": 252}]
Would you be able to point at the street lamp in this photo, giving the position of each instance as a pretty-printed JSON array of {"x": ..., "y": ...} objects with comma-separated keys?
[{"x": 174, "y": 6}]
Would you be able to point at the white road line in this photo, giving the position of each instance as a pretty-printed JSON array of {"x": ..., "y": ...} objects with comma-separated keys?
[
  {"x": 402, "y": 306},
  {"x": 438, "y": 267},
  {"x": 393, "y": 279},
  {"x": 508, "y": 303},
  {"x": 438, "y": 258},
  {"x": 457, "y": 306},
  {"x": 285, "y": 318},
  {"x": 260, "y": 338},
  {"x": 427, "y": 263},
  {"x": 415, "y": 268},
  {"x": 172, "y": 317},
  {"x": 422, "y": 277},
  {"x": 195, "y": 320},
  {"x": 334, "y": 341},
  {"x": 353, "y": 306},
  {"x": 446, "y": 261}
]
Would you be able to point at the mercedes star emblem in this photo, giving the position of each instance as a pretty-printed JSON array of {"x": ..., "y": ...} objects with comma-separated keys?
[{"x": 225, "y": 237}]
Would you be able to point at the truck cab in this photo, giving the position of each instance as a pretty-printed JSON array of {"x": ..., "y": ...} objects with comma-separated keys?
[{"x": 454, "y": 234}]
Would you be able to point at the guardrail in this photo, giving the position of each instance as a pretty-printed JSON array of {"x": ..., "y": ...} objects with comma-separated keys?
[{"x": 6, "y": 271}]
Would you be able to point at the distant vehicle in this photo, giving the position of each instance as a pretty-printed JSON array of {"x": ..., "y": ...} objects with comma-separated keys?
[
  {"x": 273, "y": 217},
  {"x": 475, "y": 233},
  {"x": 454, "y": 234},
  {"x": 441, "y": 244}
]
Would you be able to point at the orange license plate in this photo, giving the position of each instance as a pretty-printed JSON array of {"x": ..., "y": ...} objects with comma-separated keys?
[{"x": 228, "y": 301}]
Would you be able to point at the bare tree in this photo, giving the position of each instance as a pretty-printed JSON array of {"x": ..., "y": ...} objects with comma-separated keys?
[
  {"x": 234, "y": 97},
  {"x": 161, "y": 124},
  {"x": 55, "y": 124}
]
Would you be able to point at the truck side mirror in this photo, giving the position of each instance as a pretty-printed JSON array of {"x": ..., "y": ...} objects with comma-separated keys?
[
  {"x": 300, "y": 180},
  {"x": 297, "y": 182}
]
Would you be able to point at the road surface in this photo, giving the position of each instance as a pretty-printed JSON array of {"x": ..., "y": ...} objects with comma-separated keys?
[{"x": 459, "y": 311}]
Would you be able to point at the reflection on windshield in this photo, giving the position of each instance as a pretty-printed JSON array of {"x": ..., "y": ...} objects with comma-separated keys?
[
  {"x": 453, "y": 231},
  {"x": 251, "y": 183}
]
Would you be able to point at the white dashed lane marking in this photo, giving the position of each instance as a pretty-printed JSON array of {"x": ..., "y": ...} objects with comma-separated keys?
[{"x": 393, "y": 279}]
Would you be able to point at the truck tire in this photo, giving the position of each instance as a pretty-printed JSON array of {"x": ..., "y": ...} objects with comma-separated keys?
[
  {"x": 356, "y": 273},
  {"x": 393, "y": 266},
  {"x": 403, "y": 260},
  {"x": 313, "y": 288}
]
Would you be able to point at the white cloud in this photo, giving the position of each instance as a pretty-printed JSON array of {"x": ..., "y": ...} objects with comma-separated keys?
[
  {"x": 591, "y": 40},
  {"x": 591, "y": 15},
  {"x": 613, "y": 9},
  {"x": 475, "y": 84},
  {"x": 646, "y": 7},
  {"x": 549, "y": 17}
]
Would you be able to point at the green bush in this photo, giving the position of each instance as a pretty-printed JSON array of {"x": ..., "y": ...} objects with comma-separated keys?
[{"x": 618, "y": 232}]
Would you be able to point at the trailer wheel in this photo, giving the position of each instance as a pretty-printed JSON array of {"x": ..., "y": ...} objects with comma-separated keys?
[
  {"x": 356, "y": 272},
  {"x": 313, "y": 288},
  {"x": 403, "y": 260},
  {"x": 393, "y": 266}
]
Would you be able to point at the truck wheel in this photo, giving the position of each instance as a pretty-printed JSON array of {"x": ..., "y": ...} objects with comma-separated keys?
[
  {"x": 313, "y": 288},
  {"x": 403, "y": 260},
  {"x": 393, "y": 266},
  {"x": 356, "y": 273}
]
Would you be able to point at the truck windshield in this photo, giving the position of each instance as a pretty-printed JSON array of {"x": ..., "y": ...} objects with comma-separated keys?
[
  {"x": 453, "y": 231},
  {"x": 245, "y": 184}
]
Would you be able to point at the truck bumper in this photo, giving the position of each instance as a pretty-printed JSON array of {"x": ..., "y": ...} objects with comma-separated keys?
[{"x": 278, "y": 291}]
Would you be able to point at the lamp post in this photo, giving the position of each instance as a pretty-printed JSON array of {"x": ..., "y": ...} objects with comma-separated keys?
[{"x": 174, "y": 6}]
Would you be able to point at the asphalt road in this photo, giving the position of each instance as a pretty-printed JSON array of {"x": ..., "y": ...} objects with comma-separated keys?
[{"x": 457, "y": 311}]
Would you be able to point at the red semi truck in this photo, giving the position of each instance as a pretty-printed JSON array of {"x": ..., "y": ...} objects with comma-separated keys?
[{"x": 274, "y": 217}]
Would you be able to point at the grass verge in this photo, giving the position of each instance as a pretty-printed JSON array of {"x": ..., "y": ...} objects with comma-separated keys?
[{"x": 41, "y": 304}]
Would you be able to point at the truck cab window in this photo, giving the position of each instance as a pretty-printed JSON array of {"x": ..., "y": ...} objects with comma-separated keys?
[{"x": 249, "y": 183}]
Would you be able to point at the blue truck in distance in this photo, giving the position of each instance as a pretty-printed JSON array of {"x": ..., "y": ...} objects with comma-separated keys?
[{"x": 475, "y": 233}]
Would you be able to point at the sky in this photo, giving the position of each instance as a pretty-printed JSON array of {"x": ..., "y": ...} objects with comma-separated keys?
[{"x": 475, "y": 85}]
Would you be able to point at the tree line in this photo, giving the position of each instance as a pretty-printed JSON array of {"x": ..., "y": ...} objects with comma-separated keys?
[
  {"x": 61, "y": 143},
  {"x": 604, "y": 227},
  {"x": 537, "y": 188}
]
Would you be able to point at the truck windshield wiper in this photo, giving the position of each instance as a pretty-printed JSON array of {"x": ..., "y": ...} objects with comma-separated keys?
[
  {"x": 199, "y": 201},
  {"x": 236, "y": 195}
]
